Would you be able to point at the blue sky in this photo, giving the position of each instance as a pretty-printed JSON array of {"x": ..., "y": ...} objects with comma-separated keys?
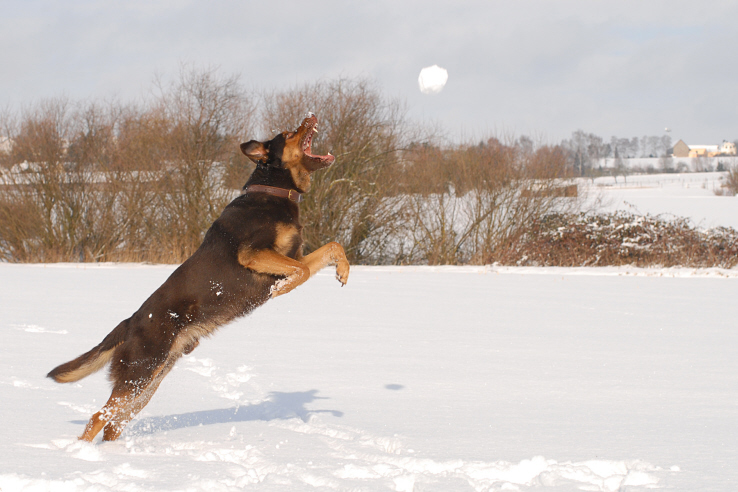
[{"x": 541, "y": 68}]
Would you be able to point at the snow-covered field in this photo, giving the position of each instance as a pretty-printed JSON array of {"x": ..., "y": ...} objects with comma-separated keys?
[
  {"x": 689, "y": 195},
  {"x": 424, "y": 379}
]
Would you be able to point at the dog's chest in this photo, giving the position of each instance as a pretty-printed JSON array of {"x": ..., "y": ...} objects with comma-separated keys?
[{"x": 288, "y": 240}]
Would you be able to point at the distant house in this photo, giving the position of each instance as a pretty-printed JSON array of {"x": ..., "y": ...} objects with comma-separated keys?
[
  {"x": 728, "y": 148},
  {"x": 681, "y": 149},
  {"x": 703, "y": 150}
]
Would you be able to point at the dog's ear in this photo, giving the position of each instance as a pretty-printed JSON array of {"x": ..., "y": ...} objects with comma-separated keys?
[{"x": 256, "y": 151}]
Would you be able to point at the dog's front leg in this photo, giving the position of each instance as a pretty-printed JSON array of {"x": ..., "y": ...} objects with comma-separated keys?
[
  {"x": 329, "y": 254},
  {"x": 273, "y": 263}
]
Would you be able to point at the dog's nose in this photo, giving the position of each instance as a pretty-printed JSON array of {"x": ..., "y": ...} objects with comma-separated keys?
[{"x": 310, "y": 118}]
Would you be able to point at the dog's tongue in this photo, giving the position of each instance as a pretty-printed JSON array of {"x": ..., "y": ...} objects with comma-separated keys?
[{"x": 327, "y": 159}]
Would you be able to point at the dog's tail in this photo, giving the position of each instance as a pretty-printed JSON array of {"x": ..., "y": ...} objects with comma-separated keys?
[{"x": 91, "y": 361}]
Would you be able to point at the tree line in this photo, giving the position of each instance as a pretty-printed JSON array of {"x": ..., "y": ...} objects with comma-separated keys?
[
  {"x": 107, "y": 180},
  {"x": 113, "y": 181},
  {"x": 586, "y": 150}
]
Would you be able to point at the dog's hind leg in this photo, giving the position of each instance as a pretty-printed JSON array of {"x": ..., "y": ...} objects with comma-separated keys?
[
  {"x": 118, "y": 400},
  {"x": 136, "y": 403},
  {"x": 127, "y": 399}
]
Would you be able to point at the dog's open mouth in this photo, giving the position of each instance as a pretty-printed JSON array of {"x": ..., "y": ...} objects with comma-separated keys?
[{"x": 310, "y": 128}]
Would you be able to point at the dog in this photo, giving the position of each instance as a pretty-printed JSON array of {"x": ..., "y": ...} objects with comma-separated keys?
[{"x": 251, "y": 253}]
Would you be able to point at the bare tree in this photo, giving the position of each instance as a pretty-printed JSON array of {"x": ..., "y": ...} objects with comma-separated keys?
[
  {"x": 585, "y": 149},
  {"x": 633, "y": 147},
  {"x": 620, "y": 169},
  {"x": 206, "y": 115},
  {"x": 40, "y": 203},
  {"x": 354, "y": 201},
  {"x": 731, "y": 180}
]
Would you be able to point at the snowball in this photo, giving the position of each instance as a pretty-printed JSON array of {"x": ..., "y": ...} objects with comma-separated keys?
[{"x": 432, "y": 79}]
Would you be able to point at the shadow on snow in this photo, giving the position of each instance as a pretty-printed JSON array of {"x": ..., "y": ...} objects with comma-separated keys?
[{"x": 279, "y": 406}]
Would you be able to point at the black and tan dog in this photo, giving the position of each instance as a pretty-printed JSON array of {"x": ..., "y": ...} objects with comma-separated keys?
[{"x": 251, "y": 253}]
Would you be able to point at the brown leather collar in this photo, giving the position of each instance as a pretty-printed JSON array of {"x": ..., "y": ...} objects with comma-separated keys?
[{"x": 293, "y": 195}]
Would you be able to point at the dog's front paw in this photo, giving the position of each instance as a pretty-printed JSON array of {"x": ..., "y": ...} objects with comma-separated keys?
[
  {"x": 279, "y": 288},
  {"x": 342, "y": 272}
]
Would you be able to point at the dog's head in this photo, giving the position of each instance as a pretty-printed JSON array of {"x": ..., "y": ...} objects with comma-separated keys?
[{"x": 291, "y": 151}]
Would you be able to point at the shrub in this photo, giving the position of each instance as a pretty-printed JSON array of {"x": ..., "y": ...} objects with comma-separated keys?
[{"x": 621, "y": 238}]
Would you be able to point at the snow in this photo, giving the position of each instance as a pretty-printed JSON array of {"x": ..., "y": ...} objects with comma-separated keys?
[
  {"x": 689, "y": 195},
  {"x": 432, "y": 79},
  {"x": 408, "y": 379}
]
